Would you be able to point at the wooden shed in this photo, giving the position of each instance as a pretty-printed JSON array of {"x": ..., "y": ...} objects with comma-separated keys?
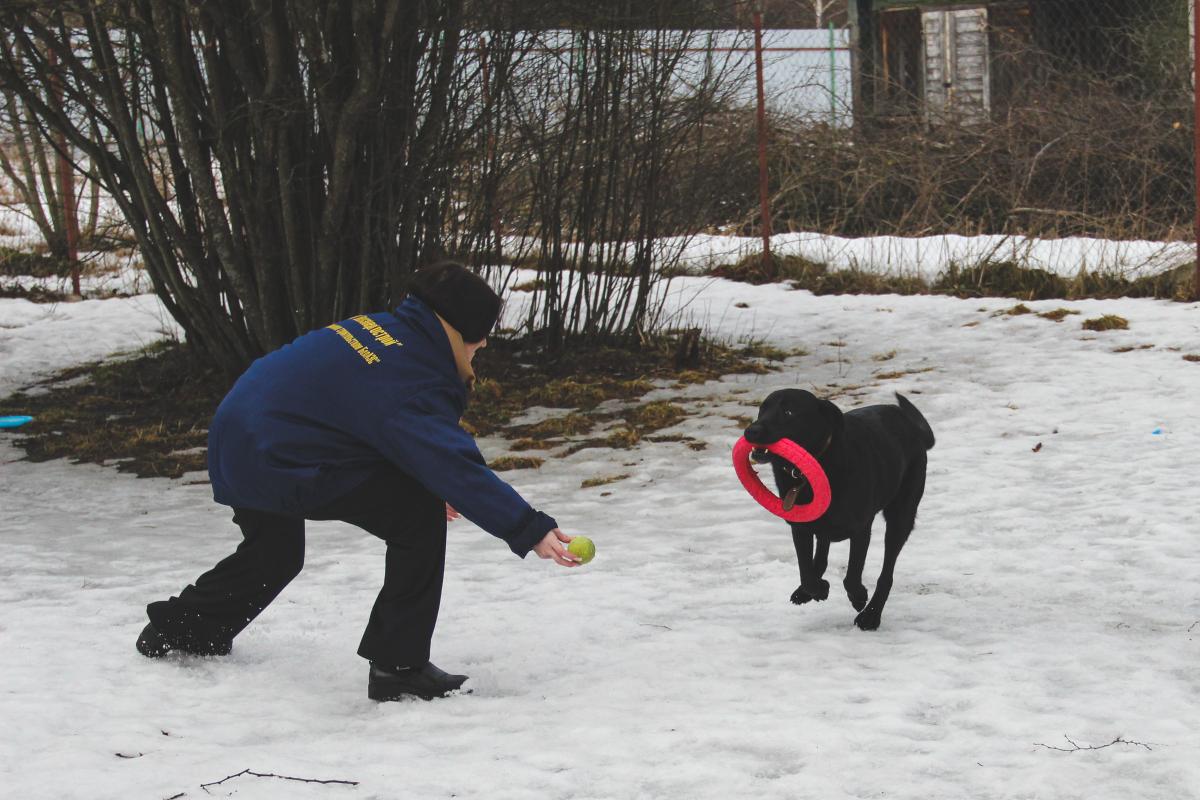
[{"x": 961, "y": 61}]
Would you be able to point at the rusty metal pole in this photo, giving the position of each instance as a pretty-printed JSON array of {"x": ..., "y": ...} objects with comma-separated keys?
[
  {"x": 763, "y": 191},
  {"x": 1196, "y": 127}
]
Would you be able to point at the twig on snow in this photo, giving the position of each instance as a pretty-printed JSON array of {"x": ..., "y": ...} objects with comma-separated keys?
[
  {"x": 1076, "y": 747},
  {"x": 205, "y": 786}
]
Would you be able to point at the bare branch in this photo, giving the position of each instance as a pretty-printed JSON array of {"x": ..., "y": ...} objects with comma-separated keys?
[
  {"x": 1075, "y": 747},
  {"x": 205, "y": 786}
]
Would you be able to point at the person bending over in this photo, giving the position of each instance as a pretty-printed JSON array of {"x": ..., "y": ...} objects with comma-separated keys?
[{"x": 358, "y": 422}]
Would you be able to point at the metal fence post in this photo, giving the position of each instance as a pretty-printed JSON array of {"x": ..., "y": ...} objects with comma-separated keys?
[
  {"x": 1195, "y": 9},
  {"x": 763, "y": 191}
]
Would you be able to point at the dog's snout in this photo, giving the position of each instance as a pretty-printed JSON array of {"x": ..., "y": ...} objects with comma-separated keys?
[{"x": 756, "y": 433}]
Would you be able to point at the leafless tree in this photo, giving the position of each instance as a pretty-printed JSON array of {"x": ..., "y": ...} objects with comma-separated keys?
[
  {"x": 285, "y": 163},
  {"x": 819, "y": 10},
  {"x": 276, "y": 161},
  {"x": 40, "y": 170},
  {"x": 618, "y": 145}
]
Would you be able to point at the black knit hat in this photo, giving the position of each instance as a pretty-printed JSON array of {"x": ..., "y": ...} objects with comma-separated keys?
[{"x": 461, "y": 297}]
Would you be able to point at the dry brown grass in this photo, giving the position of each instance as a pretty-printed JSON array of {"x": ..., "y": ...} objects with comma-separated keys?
[
  {"x": 506, "y": 463},
  {"x": 566, "y": 425},
  {"x": 601, "y": 480},
  {"x": 1108, "y": 322},
  {"x": 985, "y": 279},
  {"x": 688, "y": 441},
  {"x": 654, "y": 416},
  {"x": 1020, "y": 309},
  {"x": 1057, "y": 315},
  {"x": 39, "y": 265}
]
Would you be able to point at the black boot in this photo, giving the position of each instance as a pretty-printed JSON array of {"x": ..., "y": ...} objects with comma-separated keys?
[
  {"x": 152, "y": 643},
  {"x": 425, "y": 681}
]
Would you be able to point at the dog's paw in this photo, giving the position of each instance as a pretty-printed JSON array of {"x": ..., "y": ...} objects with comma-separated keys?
[
  {"x": 858, "y": 596},
  {"x": 800, "y": 597},
  {"x": 868, "y": 620},
  {"x": 817, "y": 590}
]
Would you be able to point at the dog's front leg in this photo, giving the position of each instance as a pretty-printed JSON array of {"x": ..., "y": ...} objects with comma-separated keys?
[{"x": 812, "y": 585}]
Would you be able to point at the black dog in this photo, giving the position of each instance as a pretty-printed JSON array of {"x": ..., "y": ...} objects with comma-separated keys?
[{"x": 875, "y": 460}]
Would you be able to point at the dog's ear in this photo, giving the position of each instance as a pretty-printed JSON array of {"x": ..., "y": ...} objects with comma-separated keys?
[{"x": 832, "y": 415}]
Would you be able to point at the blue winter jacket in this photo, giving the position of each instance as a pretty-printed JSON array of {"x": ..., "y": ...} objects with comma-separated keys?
[{"x": 314, "y": 419}]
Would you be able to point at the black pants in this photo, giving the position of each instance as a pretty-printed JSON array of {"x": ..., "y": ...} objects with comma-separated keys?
[{"x": 391, "y": 505}]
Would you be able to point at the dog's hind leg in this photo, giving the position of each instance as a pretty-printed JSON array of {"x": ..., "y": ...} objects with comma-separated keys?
[
  {"x": 812, "y": 567},
  {"x": 900, "y": 515},
  {"x": 868, "y": 619},
  {"x": 854, "y": 569}
]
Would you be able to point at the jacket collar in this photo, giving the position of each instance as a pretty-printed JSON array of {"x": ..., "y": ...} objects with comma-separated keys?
[
  {"x": 423, "y": 317},
  {"x": 459, "y": 348}
]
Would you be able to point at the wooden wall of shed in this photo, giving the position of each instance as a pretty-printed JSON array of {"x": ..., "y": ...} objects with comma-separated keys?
[{"x": 957, "y": 65}]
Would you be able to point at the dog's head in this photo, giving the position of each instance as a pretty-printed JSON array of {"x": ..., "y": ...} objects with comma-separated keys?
[{"x": 808, "y": 421}]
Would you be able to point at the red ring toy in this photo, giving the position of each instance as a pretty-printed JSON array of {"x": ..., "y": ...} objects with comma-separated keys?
[{"x": 807, "y": 465}]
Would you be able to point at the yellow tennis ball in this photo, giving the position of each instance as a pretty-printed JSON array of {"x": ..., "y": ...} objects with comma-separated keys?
[{"x": 583, "y": 547}]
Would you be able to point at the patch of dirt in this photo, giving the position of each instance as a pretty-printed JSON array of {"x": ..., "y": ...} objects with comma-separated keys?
[
  {"x": 35, "y": 294},
  {"x": 39, "y": 265},
  {"x": 148, "y": 414},
  {"x": 583, "y": 378}
]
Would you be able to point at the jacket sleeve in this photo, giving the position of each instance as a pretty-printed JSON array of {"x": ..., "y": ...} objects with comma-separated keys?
[{"x": 423, "y": 438}]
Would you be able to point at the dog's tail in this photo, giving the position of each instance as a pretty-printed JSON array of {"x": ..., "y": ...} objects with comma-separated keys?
[{"x": 916, "y": 418}]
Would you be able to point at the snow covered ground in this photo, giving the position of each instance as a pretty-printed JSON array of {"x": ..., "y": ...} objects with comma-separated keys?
[
  {"x": 927, "y": 256},
  {"x": 1047, "y": 592}
]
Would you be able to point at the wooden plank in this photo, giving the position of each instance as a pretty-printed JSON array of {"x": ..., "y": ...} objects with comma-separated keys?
[{"x": 956, "y": 61}]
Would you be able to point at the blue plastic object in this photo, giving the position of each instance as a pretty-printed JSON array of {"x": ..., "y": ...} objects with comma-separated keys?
[
  {"x": 1156, "y": 432},
  {"x": 14, "y": 422}
]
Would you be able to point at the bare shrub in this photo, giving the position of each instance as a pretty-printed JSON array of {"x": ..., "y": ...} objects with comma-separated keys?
[{"x": 1078, "y": 144}]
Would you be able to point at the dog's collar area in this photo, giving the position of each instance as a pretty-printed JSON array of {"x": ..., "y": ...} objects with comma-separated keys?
[
  {"x": 824, "y": 447},
  {"x": 789, "y": 498}
]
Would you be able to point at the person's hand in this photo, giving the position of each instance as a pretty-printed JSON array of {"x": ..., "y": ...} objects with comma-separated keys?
[
  {"x": 451, "y": 514},
  {"x": 551, "y": 546}
]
